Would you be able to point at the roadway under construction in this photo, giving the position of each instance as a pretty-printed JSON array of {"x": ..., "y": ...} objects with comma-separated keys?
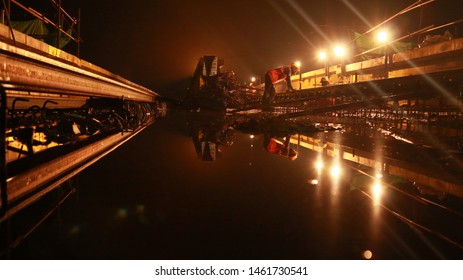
[{"x": 60, "y": 113}]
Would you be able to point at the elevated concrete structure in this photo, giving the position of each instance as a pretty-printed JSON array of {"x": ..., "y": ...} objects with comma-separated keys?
[
  {"x": 435, "y": 58},
  {"x": 29, "y": 65},
  {"x": 39, "y": 73}
]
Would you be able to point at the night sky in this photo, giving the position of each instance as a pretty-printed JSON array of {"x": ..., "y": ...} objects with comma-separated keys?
[{"x": 158, "y": 43}]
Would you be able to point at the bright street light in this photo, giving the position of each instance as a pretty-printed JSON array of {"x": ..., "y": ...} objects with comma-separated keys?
[
  {"x": 382, "y": 36},
  {"x": 339, "y": 51}
]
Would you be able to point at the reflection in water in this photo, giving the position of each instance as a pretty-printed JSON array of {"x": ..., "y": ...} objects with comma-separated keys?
[
  {"x": 333, "y": 172},
  {"x": 205, "y": 188},
  {"x": 382, "y": 148},
  {"x": 377, "y": 190},
  {"x": 209, "y": 134},
  {"x": 211, "y": 130},
  {"x": 278, "y": 147}
]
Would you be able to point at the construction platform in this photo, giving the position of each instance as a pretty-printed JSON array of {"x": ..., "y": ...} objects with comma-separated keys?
[{"x": 59, "y": 114}]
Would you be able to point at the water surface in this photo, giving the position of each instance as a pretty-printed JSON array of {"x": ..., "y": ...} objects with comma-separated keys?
[{"x": 159, "y": 197}]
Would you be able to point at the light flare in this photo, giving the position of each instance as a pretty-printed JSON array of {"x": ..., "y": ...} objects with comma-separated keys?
[
  {"x": 382, "y": 36},
  {"x": 367, "y": 254},
  {"x": 339, "y": 51}
]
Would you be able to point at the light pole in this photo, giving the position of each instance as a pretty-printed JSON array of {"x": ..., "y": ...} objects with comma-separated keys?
[
  {"x": 322, "y": 56},
  {"x": 339, "y": 51},
  {"x": 252, "y": 85},
  {"x": 382, "y": 38},
  {"x": 298, "y": 64}
]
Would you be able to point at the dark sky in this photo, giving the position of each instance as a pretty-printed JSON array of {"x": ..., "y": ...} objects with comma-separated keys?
[{"x": 158, "y": 43}]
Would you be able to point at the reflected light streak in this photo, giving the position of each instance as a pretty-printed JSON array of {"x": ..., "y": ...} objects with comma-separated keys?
[
  {"x": 377, "y": 189},
  {"x": 395, "y": 136},
  {"x": 335, "y": 171},
  {"x": 319, "y": 165}
]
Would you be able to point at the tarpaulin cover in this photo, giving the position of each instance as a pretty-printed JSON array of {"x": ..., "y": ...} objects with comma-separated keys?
[
  {"x": 39, "y": 30},
  {"x": 368, "y": 42}
]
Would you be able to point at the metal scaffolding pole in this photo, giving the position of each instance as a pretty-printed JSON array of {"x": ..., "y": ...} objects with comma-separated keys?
[{"x": 3, "y": 171}]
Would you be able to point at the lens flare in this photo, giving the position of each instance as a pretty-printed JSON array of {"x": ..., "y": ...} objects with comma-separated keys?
[{"x": 367, "y": 254}]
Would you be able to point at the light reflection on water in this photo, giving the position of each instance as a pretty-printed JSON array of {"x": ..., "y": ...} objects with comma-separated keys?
[{"x": 203, "y": 186}]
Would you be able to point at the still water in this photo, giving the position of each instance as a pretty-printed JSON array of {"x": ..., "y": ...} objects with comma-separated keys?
[{"x": 193, "y": 186}]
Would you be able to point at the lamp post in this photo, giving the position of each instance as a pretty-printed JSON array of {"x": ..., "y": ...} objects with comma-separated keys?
[
  {"x": 322, "y": 56},
  {"x": 382, "y": 38},
  {"x": 339, "y": 51},
  {"x": 252, "y": 85},
  {"x": 298, "y": 64}
]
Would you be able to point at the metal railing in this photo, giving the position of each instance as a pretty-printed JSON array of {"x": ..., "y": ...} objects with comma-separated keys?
[{"x": 63, "y": 18}]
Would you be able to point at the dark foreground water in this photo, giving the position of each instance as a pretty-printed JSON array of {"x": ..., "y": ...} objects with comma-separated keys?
[{"x": 156, "y": 198}]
